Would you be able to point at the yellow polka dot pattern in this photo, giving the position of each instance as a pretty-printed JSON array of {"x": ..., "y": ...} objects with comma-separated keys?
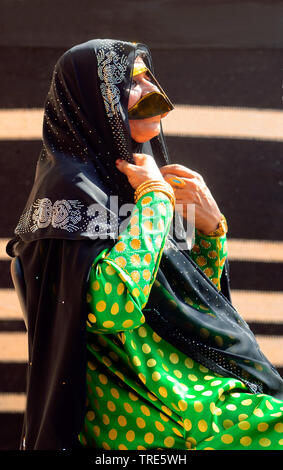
[
  {"x": 210, "y": 253},
  {"x": 142, "y": 393},
  {"x": 121, "y": 278},
  {"x": 145, "y": 394}
]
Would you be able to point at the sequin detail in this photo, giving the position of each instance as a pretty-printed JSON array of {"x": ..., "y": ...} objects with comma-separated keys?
[
  {"x": 111, "y": 71},
  {"x": 63, "y": 214}
]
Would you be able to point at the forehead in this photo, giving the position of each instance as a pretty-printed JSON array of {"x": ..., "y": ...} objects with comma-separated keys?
[
  {"x": 139, "y": 60},
  {"x": 139, "y": 66}
]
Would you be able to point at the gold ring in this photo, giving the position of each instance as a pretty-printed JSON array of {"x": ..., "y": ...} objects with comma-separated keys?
[{"x": 177, "y": 182}]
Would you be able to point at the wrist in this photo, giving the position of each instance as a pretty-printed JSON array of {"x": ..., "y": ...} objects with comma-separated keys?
[
  {"x": 220, "y": 230},
  {"x": 155, "y": 185}
]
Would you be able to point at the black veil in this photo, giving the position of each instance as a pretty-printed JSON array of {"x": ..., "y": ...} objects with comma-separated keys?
[{"x": 76, "y": 207}]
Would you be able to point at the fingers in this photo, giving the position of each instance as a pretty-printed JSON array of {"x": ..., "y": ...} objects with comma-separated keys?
[
  {"x": 123, "y": 165},
  {"x": 142, "y": 158},
  {"x": 178, "y": 170},
  {"x": 139, "y": 158},
  {"x": 187, "y": 193},
  {"x": 169, "y": 177}
]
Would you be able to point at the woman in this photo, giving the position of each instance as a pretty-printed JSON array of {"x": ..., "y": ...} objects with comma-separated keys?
[{"x": 168, "y": 361}]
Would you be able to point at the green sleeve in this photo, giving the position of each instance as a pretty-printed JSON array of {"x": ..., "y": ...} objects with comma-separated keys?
[
  {"x": 210, "y": 253},
  {"x": 121, "y": 277}
]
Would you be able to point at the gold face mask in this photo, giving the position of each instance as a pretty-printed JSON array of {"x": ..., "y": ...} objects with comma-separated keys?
[{"x": 153, "y": 103}]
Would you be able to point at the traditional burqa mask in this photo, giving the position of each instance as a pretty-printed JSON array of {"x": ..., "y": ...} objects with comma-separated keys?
[{"x": 152, "y": 104}]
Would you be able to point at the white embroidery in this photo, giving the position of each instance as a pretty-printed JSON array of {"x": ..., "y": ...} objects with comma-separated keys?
[
  {"x": 63, "y": 214},
  {"x": 42, "y": 213},
  {"x": 111, "y": 71},
  {"x": 66, "y": 214},
  {"x": 94, "y": 221}
]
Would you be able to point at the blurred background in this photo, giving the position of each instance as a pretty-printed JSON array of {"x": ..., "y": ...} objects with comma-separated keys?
[{"x": 221, "y": 63}]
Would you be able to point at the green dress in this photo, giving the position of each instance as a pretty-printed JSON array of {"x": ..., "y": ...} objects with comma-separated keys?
[{"x": 143, "y": 393}]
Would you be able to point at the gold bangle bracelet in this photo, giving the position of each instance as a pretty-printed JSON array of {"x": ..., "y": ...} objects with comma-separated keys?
[
  {"x": 149, "y": 183},
  {"x": 154, "y": 188},
  {"x": 155, "y": 185},
  {"x": 172, "y": 199},
  {"x": 221, "y": 230}
]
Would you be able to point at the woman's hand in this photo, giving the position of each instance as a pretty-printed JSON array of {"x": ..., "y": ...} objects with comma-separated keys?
[
  {"x": 195, "y": 191},
  {"x": 145, "y": 168}
]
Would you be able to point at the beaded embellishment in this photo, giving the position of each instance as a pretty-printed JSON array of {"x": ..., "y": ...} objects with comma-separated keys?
[
  {"x": 70, "y": 215},
  {"x": 112, "y": 65},
  {"x": 63, "y": 214},
  {"x": 111, "y": 71}
]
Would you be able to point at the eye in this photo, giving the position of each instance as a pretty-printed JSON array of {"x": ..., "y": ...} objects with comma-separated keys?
[
  {"x": 134, "y": 83},
  {"x": 148, "y": 77}
]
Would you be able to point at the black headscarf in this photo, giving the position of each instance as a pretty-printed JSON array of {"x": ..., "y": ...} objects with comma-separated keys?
[{"x": 74, "y": 211}]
